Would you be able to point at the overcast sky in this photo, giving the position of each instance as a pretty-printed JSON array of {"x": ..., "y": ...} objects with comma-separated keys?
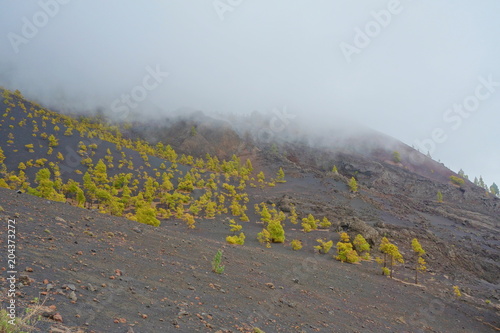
[{"x": 426, "y": 71}]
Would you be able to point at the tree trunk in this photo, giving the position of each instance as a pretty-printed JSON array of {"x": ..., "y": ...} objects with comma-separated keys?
[{"x": 390, "y": 273}]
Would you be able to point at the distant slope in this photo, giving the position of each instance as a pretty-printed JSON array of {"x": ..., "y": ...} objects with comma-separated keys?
[{"x": 133, "y": 170}]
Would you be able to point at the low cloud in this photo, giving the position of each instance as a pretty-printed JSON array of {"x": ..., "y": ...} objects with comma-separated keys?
[{"x": 86, "y": 55}]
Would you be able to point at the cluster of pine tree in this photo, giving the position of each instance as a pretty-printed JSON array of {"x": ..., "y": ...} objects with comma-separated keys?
[{"x": 132, "y": 178}]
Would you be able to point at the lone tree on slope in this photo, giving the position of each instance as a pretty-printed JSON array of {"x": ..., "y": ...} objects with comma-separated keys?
[{"x": 419, "y": 262}]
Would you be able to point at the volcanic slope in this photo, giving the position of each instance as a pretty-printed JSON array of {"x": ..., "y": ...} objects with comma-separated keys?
[{"x": 159, "y": 278}]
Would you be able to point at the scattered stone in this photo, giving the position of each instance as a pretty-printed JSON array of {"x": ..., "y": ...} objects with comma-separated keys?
[
  {"x": 137, "y": 229},
  {"x": 120, "y": 321},
  {"x": 118, "y": 272},
  {"x": 57, "y": 317},
  {"x": 25, "y": 280},
  {"x": 270, "y": 285},
  {"x": 182, "y": 313},
  {"x": 72, "y": 296},
  {"x": 91, "y": 287},
  {"x": 71, "y": 286},
  {"x": 29, "y": 269},
  {"x": 60, "y": 219},
  {"x": 144, "y": 316},
  {"x": 49, "y": 287}
]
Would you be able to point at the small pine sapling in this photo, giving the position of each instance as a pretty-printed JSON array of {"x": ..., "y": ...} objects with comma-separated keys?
[
  {"x": 345, "y": 250},
  {"x": 296, "y": 244},
  {"x": 190, "y": 221},
  {"x": 325, "y": 223},
  {"x": 147, "y": 215},
  {"x": 280, "y": 176},
  {"x": 362, "y": 247},
  {"x": 265, "y": 216},
  {"x": 396, "y": 157},
  {"x": 353, "y": 185},
  {"x": 276, "y": 231},
  {"x": 234, "y": 226},
  {"x": 261, "y": 178},
  {"x": 239, "y": 240},
  {"x": 264, "y": 237},
  {"x": 309, "y": 223},
  {"x": 439, "y": 196},
  {"x": 216, "y": 263},
  {"x": 323, "y": 247}
]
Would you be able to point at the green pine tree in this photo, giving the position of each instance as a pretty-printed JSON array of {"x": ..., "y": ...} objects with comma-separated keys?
[
  {"x": 494, "y": 189},
  {"x": 419, "y": 261},
  {"x": 353, "y": 185},
  {"x": 439, "y": 196},
  {"x": 280, "y": 176},
  {"x": 396, "y": 157}
]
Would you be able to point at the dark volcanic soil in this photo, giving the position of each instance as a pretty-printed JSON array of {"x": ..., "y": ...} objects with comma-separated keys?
[{"x": 130, "y": 277}]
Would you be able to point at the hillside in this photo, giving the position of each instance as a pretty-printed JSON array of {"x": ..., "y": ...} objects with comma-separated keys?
[{"x": 137, "y": 212}]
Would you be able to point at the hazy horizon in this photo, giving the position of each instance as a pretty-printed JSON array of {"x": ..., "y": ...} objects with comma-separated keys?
[{"x": 423, "y": 72}]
